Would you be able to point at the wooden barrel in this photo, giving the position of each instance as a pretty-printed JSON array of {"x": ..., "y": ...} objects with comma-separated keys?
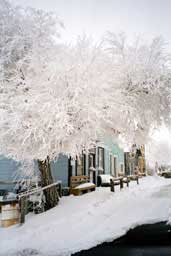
[{"x": 10, "y": 214}]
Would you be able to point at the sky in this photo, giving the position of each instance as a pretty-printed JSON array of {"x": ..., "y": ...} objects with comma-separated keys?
[
  {"x": 159, "y": 148},
  {"x": 147, "y": 18}
]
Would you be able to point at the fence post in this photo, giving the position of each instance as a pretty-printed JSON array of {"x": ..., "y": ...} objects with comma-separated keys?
[
  {"x": 121, "y": 183},
  {"x": 60, "y": 189},
  {"x": 137, "y": 180},
  {"x": 112, "y": 186},
  {"x": 127, "y": 181},
  {"x": 23, "y": 205}
]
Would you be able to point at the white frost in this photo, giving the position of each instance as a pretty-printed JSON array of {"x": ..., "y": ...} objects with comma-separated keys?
[{"x": 57, "y": 98}]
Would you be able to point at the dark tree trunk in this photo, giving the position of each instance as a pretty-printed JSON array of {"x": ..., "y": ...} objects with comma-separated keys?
[{"x": 51, "y": 194}]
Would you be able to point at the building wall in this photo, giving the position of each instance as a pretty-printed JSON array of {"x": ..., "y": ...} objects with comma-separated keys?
[
  {"x": 8, "y": 169},
  {"x": 111, "y": 150},
  {"x": 107, "y": 161},
  {"x": 119, "y": 153},
  {"x": 59, "y": 169},
  {"x": 135, "y": 159}
]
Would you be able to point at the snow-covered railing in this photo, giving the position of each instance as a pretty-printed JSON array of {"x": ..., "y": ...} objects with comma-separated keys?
[
  {"x": 22, "y": 197},
  {"x": 121, "y": 180},
  {"x": 38, "y": 189},
  {"x": 8, "y": 182}
]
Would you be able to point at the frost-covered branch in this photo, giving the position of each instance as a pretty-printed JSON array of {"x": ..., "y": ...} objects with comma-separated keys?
[{"x": 56, "y": 98}]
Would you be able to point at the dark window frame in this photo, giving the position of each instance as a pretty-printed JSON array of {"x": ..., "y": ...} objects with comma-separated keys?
[{"x": 115, "y": 165}]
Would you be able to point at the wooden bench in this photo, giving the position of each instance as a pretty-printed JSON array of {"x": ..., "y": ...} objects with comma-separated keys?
[
  {"x": 80, "y": 185},
  {"x": 118, "y": 181}
]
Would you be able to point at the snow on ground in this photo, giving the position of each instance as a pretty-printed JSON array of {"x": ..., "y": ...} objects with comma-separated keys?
[{"x": 83, "y": 222}]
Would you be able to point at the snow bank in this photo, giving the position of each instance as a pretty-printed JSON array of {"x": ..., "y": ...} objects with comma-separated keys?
[{"x": 83, "y": 222}]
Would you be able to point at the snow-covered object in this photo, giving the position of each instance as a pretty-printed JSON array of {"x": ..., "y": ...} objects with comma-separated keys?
[
  {"x": 85, "y": 185},
  {"x": 8, "y": 196},
  {"x": 37, "y": 197},
  {"x": 105, "y": 178},
  {"x": 90, "y": 219}
]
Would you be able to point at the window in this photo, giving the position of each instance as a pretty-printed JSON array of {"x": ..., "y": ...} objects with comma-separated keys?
[
  {"x": 122, "y": 168},
  {"x": 92, "y": 158},
  {"x": 101, "y": 159},
  {"x": 92, "y": 165},
  {"x": 80, "y": 165}
]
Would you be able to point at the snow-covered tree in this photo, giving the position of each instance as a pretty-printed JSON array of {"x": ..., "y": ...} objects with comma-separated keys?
[
  {"x": 57, "y": 98},
  {"x": 25, "y": 34},
  {"x": 53, "y": 97},
  {"x": 142, "y": 75},
  {"x": 22, "y": 31},
  {"x": 59, "y": 107}
]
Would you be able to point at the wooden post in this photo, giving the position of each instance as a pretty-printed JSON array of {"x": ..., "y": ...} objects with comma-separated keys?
[
  {"x": 121, "y": 183},
  {"x": 137, "y": 180},
  {"x": 23, "y": 206},
  {"x": 127, "y": 181},
  {"x": 60, "y": 189},
  {"x": 112, "y": 186}
]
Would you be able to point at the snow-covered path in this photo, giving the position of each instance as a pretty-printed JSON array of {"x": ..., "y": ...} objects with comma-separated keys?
[{"x": 82, "y": 222}]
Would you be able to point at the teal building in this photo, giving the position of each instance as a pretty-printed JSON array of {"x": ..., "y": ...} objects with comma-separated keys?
[{"x": 105, "y": 158}]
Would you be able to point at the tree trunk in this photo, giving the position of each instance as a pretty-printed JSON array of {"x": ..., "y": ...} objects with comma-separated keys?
[{"x": 51, "y": 194}]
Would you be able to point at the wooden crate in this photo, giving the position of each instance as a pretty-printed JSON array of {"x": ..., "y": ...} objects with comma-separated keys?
[{"x": 10, "y": 214}]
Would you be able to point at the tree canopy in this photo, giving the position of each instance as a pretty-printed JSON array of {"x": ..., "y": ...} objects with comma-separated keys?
[{"x": 58, "y": 98}]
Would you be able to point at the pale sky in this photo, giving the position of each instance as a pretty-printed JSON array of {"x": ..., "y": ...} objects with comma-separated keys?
[
  {"x": 159, "y": 148},
  {"x": 147, "y": 18}
]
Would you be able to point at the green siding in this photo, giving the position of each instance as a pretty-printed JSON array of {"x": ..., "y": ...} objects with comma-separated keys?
[
  {"x": 117, "y": 151},
  {"x": 114, "y": 150}
]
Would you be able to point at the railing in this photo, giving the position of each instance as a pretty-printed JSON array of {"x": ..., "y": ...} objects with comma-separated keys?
[
  {"x": 121, "y": 180},
  {"x": 38, "y": 189},
  {"x": 8, "y": 182},
  {"x": 23, "y": 196}
]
